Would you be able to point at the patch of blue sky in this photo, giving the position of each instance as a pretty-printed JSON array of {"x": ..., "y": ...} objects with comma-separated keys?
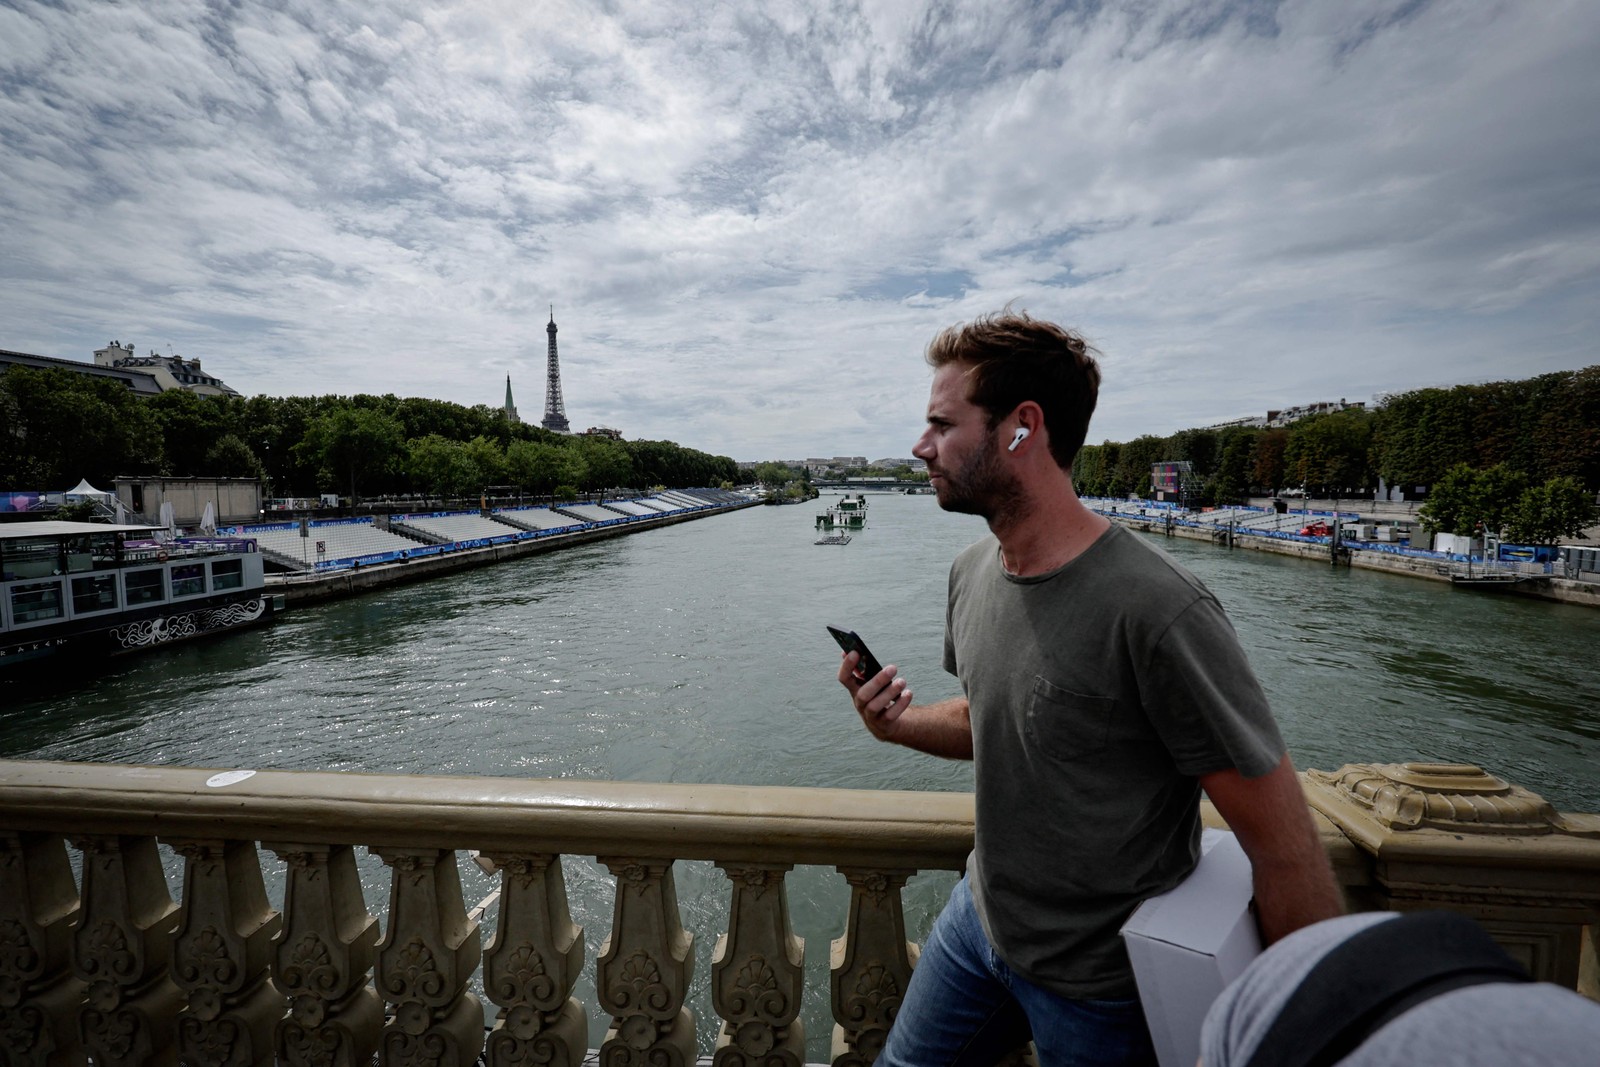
[{"x": 907, "y": 285}]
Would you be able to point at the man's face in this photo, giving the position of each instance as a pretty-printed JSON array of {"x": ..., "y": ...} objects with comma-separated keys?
[{"x": 965, "y": 464}]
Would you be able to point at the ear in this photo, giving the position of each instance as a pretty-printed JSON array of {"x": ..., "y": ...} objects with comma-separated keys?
[{"x": 1027, "y": 416}]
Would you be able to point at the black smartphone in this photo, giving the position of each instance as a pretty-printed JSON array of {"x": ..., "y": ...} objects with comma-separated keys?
[{"x": 850, "y": 641}]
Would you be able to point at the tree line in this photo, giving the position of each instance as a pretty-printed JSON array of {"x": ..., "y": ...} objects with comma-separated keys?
[
  {"x": 57, "y": 426},
  {"x": 1540, "y": 428}
]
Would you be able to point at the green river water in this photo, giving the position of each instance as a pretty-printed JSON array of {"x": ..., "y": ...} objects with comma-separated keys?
[{"x": 696, "y": 653}]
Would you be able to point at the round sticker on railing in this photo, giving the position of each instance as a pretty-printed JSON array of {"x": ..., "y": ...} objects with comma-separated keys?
[{"x": 217, "y": 781}]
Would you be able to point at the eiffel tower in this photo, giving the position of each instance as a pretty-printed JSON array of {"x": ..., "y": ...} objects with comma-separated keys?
[{"x": 555, "y": 412}]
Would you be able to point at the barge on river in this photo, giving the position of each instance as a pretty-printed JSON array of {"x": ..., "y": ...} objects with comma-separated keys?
[{"x": 111, "y": 589}]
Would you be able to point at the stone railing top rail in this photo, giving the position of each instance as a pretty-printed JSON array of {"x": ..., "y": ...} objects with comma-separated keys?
[{"x": 771, "y": 824}]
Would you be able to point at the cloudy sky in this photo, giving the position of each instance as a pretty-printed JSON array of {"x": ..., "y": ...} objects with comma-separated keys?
[{"x": 751, "y": 216}]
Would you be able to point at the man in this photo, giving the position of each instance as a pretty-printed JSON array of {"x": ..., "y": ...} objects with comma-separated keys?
[{"x": 1103, "y": 690}]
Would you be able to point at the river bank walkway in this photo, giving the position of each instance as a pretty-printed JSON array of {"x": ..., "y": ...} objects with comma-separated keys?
[
  {"x": 1264, "y": 530},
  {"x": 354, "y": 556}
]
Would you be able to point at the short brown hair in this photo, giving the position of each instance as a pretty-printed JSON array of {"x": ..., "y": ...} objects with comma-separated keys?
[{"x": 1012, "y": 358}]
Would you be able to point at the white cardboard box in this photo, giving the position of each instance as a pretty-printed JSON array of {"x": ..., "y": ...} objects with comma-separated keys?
[{"x": 1190, "y": 942}]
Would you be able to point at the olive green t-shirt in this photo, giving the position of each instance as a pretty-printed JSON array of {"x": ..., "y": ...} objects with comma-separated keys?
[{"x": 1098, "y": 693}]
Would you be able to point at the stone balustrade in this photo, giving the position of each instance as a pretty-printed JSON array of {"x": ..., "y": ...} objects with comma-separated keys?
[{"x": 116, "y": 970}]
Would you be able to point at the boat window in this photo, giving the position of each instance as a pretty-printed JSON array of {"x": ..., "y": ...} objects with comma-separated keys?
[
  {"x": 189, "y": 580},
  {"x": 103, "y": 547},
  {"x": 227, "y": 574},
  {"x": 97, "y": 593},
  {"x": 146, "y": 587},
  {"x": 36, "y": 602},
  {"x": 32, "y": 558},
  {"x": 76, "y": 550}
]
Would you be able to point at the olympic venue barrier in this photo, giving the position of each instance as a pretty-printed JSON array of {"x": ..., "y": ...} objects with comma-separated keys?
[{"x": 1171, "y": 515}]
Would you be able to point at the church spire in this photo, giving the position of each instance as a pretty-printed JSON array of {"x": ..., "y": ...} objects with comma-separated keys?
[{"x": 511, "y": 408}]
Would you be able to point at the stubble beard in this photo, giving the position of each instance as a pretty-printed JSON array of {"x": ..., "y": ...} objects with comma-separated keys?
[{"x": 982, "y": 486}]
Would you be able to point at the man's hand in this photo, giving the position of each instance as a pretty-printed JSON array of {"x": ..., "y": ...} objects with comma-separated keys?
[
  {"x": 884, "y": 704},
  {"x": 879, "y": 700}
]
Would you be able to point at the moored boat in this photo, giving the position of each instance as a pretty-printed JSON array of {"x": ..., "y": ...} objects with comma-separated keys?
[{"x": 113, "y": 589}]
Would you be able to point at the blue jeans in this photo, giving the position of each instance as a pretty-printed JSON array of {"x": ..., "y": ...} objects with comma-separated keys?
[{"x": 966, "y": 1008}]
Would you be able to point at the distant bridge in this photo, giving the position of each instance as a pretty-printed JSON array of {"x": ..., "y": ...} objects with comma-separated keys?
[{"x": 882, "y": 486}]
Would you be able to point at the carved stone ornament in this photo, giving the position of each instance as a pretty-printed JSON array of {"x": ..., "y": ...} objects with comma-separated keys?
[
  {"x": 1457, "y": 798},
  {"x": 323, "y": 955},
  {"x": 644, "y": 968},
  {"x": 870, "y": 965},
  {"x": 347, "y": 1037},
  {"x": 138, "y": 1032},
  {"x": 18, "y": 960},
  {"x": 451, "y": 1038},
  {"x": 757, "y": 973},
  {"x": 425, "y": 960},
  {"x": 531, "y": 966},
  {"x": 25, "y": 1035}
]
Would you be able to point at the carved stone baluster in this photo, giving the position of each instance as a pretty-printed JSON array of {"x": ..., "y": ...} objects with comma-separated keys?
[
  {"x": 871, "y": 965},
  {"x": 427, "y": 956},
  {"x": 121, "y": 947},
  {"x": 644, "y": 969},
  {"x": 221, "y": 956},
  {"x": 532, "y": 964},
  {"x": 758, "y": 974},
  {"x": 39, "y": 998},
  {"x": 324, "y": 954}
]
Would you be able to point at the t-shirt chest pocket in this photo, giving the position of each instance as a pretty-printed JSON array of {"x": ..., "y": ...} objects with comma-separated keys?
[{"x": 1068, "y": 726}]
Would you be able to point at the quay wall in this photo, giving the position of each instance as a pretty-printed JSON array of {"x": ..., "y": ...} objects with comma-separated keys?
[
  {"x": 306, "y": 589},
  {"x": 1561, "y": 590}
]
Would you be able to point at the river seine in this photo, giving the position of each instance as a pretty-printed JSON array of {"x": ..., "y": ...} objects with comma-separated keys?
[{"x": 697, "y": 653}]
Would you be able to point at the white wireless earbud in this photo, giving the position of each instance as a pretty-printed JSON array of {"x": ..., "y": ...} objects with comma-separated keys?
[{"x": 1021, "y": 435}]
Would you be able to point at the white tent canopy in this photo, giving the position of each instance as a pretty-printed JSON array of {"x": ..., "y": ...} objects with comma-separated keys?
[{"x": 84, "y": 489}]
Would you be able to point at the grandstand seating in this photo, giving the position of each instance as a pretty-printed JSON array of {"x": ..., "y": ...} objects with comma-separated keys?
[
  {"x": 632, "y": 507},
  {"x": 537, "y": 518},
  {"x": 590, "y": 512},
  {"x": 460, "y": 526},
  {"x": 340, "y": 540},
  {"x": 345, "y": 542}
]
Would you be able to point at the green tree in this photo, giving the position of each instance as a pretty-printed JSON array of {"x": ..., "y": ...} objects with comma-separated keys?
[
  {"x": 356, "y": 445},
  {"x": 1267, "y": 470},
  {"x": 1092, "y": 469},
  {"x": 230, "y": 457},
  {"x": 534, "y": 465},
  {"x": 606, "y": 463},
  {"x": 62, "y": 426},
  {"x": 1134, "y": 460},
  {"x": 1200, "y": 448},
  {"x": 488, "y": 460},
  {"x": 774, "y": 475},
  {"x": 1230, "y": 483},
  {"x": 439, "y": 466},
  {"x": 1546, "y": 514},
  {"x": 1330, "y": 452},
  {"x": 1463, "y": 499},
  {"x": 1451, "y": 501},
  {"x": 191, "y": 426}
]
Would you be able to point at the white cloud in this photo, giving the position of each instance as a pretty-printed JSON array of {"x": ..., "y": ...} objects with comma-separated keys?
[{"x": 751, "y": 218}]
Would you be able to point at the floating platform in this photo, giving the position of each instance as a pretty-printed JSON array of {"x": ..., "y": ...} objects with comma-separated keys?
[
  {"x": 1493, "y": 582},
  {"x": 833, "y": 539}
]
